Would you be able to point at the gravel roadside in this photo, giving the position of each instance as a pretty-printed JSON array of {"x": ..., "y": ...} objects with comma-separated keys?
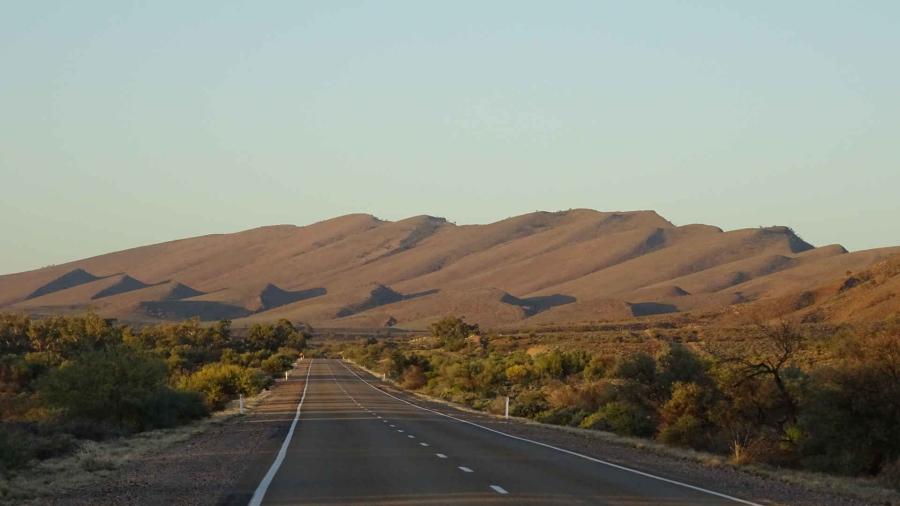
[{"x": 209, "y": 468}]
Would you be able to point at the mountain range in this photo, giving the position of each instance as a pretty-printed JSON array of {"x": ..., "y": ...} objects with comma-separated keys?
[{"x": 580, "y": 265}]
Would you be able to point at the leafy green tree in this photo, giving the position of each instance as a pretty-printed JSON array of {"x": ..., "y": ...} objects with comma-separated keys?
[
  {"x": 453, "y": 331},
  {"x": 64, "y": 337}
]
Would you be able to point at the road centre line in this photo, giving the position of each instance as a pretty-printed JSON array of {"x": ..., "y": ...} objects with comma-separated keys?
[
  {"x": 499, "y": 489},
  {"x": 563, "y": 450}
]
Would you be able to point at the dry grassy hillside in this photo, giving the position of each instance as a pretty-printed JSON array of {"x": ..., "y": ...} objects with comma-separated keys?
[
  {"x": 359, "y": 271},
  {"x": 869, "y": 294}
]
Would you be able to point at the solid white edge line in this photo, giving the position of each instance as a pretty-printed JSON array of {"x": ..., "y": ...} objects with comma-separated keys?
[
  {"x": 260, "y": 492},
  {"x": 499, "y": 489},
  {"x": 563, "y": 450}
]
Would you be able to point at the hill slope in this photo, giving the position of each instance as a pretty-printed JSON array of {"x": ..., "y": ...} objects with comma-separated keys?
[{"x": 359, "y": 271}]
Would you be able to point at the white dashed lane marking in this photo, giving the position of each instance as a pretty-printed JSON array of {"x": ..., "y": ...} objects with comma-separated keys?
[
  {"x": 441, "y": 455},
  {"x": 499, "y": 489},
  {"x": 424, "y": 444},
  {"x": 465, "y": 469}
]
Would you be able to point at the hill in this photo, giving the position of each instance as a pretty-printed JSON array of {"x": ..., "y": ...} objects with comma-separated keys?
[{"x": 358, "y": 271}]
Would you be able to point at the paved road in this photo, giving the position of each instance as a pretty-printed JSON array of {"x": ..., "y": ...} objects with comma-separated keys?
[{"x": 355, "y": 444}]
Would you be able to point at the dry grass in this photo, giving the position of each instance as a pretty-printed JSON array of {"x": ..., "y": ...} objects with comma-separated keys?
[{"x": 96, "y": 461}]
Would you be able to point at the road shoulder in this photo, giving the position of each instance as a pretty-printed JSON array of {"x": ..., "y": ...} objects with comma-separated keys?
[{"x": 212, "y": 461}]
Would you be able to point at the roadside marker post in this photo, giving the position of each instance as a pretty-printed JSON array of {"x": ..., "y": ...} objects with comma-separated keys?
[
  {"x": 507, "y": 408},
  {"x": 285, "y": 375},
  {"x": 241, "y": 404}
]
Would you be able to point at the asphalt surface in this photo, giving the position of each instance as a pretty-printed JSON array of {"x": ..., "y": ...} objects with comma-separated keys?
[{"x": 354, "y": 443}]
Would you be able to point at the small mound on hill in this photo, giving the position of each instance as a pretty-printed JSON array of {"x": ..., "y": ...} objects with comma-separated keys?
[
  {"x": 126, "y": 284},
  {"x": 181, "y": 291},
  {"x": 67, "y": 280},
  {"x": 534, "y": 305},
  {"x": 381, "y": 295},
  {"x": 273, "y": 296}
]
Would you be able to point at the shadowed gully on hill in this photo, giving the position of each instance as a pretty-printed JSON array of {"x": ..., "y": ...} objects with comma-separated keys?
[{"x": 358, "y": 271}]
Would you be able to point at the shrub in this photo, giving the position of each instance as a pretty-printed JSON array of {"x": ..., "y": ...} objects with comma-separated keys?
[
  {"x": 684, "y": 416},
  {"x": 528, "y": 403},
  {"x": 453, "y": 331},
  {"x": 413, "y": 377},
  {"x": 118, "y": 386},
  {"x": 562, "y": 416},
  {"x": 623, "y": 418},
  {"x": 220, "y": 383},
  {"x": 518, "y": 374},
  {"x": 18, "y": 446},
  {"x": 637, "y": 367},
  {"x": 279, "y": 362},
  {"x": 560, "y": 364}
]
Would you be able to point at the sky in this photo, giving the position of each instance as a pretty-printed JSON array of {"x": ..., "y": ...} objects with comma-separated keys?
[{"x": 124, "y": 123}]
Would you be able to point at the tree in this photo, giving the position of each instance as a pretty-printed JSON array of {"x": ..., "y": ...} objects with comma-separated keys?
[
  {"x": 773, "y": 358},
  {"x": 64, "y": 337},
  {"x": 453, "y": 331},
  {"x": 850, "y": 418}
]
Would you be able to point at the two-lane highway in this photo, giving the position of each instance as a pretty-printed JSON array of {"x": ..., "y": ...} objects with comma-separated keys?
[{"x": 353, "y": 443}]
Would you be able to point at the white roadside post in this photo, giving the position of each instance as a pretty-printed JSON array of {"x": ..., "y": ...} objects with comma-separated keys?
[
  {"x": 507, "y": 408},
  {"x": 241, "y": 404},
  {"x": 285, "y": 375},
  {"x": 383, "y": 376}
]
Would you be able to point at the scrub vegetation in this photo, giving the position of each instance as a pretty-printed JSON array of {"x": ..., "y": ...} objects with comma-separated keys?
[
  {"x": 69, "y": 379},
  {"x": 791, "y": 395}
]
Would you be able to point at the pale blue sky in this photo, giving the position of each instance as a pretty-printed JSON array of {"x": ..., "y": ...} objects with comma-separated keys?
[{"x": 127, "y": 123}]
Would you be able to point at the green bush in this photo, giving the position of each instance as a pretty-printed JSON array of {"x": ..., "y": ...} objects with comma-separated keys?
[
  {"x": 453, "y": 331},
  {"x": 623, "y": 418},
  {"x": 685, "y": 416},
  {"x": 118, "y": 386},
  {"x": 528, "y": 404},
  {"x": 220, "y": 383}
]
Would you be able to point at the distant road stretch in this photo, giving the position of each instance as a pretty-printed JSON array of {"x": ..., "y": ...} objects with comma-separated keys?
[{"x": 352, "y": 443}]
